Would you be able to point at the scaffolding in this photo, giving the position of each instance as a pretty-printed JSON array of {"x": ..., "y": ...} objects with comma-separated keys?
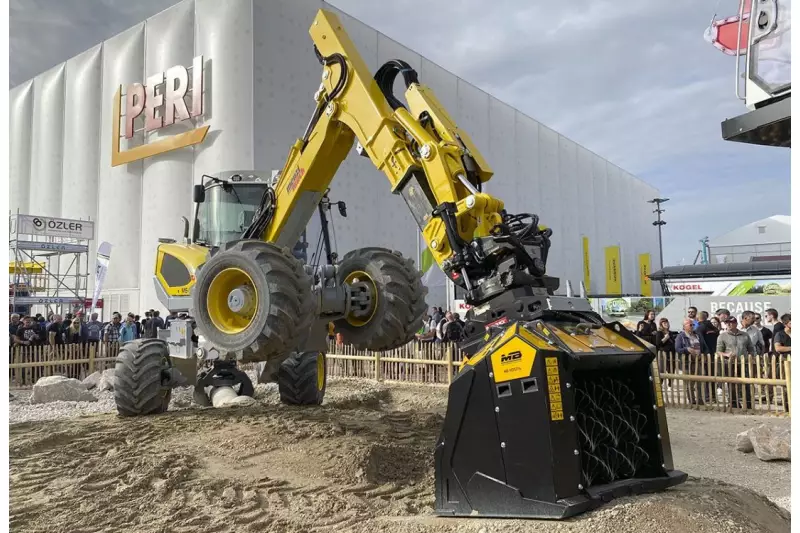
[{"x": 48, "y": 264}]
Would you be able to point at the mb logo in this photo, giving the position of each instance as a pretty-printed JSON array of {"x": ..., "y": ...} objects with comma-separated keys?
[{"x": 510, "y": 357}]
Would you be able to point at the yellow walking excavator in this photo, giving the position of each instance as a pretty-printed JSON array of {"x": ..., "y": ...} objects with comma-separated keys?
[{"x": 553, "y": 411}]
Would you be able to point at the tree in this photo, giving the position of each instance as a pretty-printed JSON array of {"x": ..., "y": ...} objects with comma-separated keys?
[{"x": 642, "y": 305}]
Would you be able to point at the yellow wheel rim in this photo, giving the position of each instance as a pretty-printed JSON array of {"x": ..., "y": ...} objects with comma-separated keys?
[
  {"x": 221, "y": 297},
  {"x": 320, "y": 371},
  {"x": 361, "y": 276}
]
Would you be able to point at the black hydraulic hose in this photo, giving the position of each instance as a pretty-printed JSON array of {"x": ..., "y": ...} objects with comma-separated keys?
[{"x": 388, "y": 73}]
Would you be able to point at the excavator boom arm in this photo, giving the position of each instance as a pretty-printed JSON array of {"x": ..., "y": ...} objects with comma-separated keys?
[{"x": 428, "y": 160}]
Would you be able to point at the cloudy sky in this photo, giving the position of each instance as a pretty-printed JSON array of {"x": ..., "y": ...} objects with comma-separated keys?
[{"x": 632, "y": 81}]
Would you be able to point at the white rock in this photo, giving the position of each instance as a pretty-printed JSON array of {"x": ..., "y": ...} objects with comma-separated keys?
[
  {"x": 239, "y": 401},
  {"x": 743, "y": 443},
  {"x": 771, "y": 443},
  {"x": 92, "y": 380},
  {"x": 106, "y": 380},
  {"x": 60, "y": 388}
]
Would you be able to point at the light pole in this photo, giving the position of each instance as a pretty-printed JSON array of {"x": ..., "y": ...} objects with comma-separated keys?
[{"x": 659, "y": 223}]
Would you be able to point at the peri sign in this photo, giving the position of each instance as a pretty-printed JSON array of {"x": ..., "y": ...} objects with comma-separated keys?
[
  {"x": 162, "y": 101},
  {"x": 54, "y": 227}
]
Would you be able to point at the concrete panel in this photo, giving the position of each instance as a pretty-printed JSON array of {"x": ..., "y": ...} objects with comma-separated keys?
[
  {"x": 472, "y": 114},
  {"x": 443, "y": 83},
  {"x": 550, "y": 194},
  {"x": 82, "y": 143},
  {"x": 502, "y": 155},
  {"x": 224, "y": 37},
  {"x": 646, "y": 235},
  {"x": 526, "y": 163},
  {"x": 47, "y": 143},
  {"x": 19, "y": 163},
  {"x": 119, "y": 222},
  {"x": 603, "y": 214},
  {"x": 630, "y": 249},
  {"x": 364, "y": 37},
  {"x": 167, "y": 178},
  {"x": 286, "y": 75},
  {"x": 568, "y": 205},
  {"x": 82, "y": 135},
  {"x": 614, "y": 220},
  {"x": 586, "y": 215}
]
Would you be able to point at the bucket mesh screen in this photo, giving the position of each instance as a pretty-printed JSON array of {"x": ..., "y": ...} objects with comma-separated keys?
[{"x": 611, "y": 427}]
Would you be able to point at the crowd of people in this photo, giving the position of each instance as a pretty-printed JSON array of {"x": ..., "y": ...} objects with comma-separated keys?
[
  {"x": 55, "y": 330},
  {"x": 441, "y": 326},
  {"x": 722, "y": 334}
]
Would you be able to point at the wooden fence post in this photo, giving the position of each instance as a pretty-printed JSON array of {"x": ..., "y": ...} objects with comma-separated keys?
[
  {"x": 449, "y": 359},
  {"x": 787, "y": 373},
  {"x": 91, "y": 358},
  {"x": 378, "y": 373}
]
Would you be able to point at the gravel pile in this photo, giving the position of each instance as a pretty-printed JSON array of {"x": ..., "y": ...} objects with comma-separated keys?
[
  {"x": 343, "y": 393},
  {"x": 21, "y": 410}
]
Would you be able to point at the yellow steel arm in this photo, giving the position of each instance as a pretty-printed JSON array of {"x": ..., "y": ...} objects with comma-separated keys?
[{"x": 422, "y": 158}]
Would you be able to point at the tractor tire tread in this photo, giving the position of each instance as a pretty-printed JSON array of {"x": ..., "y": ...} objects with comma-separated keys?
[
  {"x": 139, "y": 374},
  {"x": 400, "y": 286},
  {"x": 297, "y": 380},
  {"x": 292, "y": 306}
]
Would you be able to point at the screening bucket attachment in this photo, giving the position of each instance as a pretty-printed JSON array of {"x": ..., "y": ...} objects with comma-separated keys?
[{"x": 551, "y": 418}]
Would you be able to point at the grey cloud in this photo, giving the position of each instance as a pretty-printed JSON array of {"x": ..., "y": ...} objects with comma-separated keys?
[{"x": 43, "y": 33}]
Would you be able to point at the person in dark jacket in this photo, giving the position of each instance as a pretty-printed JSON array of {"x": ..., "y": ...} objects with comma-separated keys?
[
  {"x": 665, "y": 338},
  {"x": 646, "y": 328},
  {"x": 766, "y": 333},
  {"x": 665, "y": 345},
  {"x": 688, "y": 343},
  {"x": 707, "y": 332}
]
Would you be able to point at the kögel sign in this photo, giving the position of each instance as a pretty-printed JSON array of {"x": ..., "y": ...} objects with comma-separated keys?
[
  {"x": 686, "y": 287},
  {"x": 162, "y": 101}
]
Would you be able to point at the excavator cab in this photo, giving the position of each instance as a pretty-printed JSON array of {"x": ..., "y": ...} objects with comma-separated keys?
[{"x": 225, "y": 206}]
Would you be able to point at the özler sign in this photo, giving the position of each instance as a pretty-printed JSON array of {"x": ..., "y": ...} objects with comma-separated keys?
[{"x": 55, "y": 227}]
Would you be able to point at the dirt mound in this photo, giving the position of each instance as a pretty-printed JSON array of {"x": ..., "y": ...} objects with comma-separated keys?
[{"x": 357, "y": 469}]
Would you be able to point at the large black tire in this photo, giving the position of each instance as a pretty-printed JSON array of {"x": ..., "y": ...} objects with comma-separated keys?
[
  {"x": 300, "y": 381},
  {"x": 286, "y": 304},
  {"x": 400, "y": 304},
  {"x": 141, "y": 378}
]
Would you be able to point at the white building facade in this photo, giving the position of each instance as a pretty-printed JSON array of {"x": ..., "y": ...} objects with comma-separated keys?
[
  {"x": 763, "y": 240},
  {"x": 259, "y": 76}
]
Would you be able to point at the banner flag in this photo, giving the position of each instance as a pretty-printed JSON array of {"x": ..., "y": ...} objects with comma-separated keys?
[
  {"x": 613, "y": 271},
  {"x": 100, "y": 270},
  {"x": 587, "y": 277},
  {"x": 645, "y": 285}
]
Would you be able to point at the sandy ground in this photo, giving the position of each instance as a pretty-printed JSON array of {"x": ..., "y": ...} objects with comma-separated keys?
[{"x": 361, "y": 463}]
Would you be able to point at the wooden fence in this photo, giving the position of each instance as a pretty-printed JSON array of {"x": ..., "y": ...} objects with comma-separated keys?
[
  {"x": 29, "y": 363},
  {"x": 752, "y": 384},
  {"x": 416, "y": 362}
]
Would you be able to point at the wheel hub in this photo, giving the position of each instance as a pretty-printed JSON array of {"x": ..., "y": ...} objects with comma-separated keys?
[
  {"x": 241, "y": 300},
  {"x": 232, "y": 300},
  {"x": 364, "y": 300}
]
